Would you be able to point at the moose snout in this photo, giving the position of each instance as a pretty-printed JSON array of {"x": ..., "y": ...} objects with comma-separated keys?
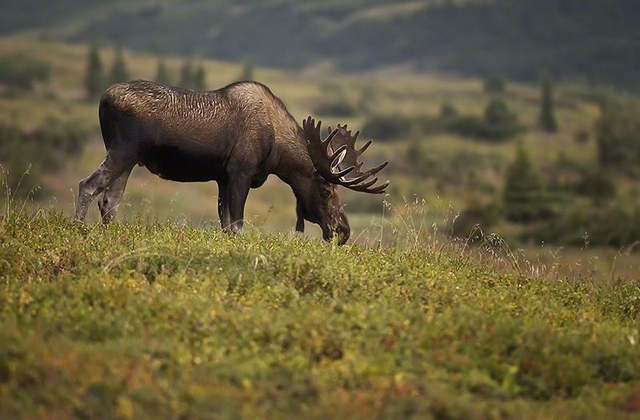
[
  {"x": 343, "y": 235},
  {"x": 339, "y": 228}
]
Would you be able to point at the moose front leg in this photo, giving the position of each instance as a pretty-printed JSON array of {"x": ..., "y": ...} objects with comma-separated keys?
[
  {"x": 236, "y": 198},
  {"x": 300, "y": 218},
  {"x": 223, "y": 205}
]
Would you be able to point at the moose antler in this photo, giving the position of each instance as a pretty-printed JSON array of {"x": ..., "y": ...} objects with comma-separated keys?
[{"x": 338, "y": 152}]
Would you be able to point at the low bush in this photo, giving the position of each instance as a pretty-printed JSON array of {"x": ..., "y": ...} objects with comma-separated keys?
[
  {"x": 615, "y": 224},
  {"x": 498, "y": 123},
  {"x": 26, "y": 156},
  {"x": 23, "y": 72}
]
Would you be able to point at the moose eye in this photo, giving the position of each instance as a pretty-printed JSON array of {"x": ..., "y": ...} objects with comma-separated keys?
[{"x": 325, "y": 193}]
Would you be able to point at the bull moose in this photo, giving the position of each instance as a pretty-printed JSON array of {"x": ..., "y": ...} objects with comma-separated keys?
[{"x": 236, "y": 136}]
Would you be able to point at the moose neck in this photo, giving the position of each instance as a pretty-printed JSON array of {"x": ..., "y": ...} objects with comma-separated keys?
[{"x": 296, "y": 168}]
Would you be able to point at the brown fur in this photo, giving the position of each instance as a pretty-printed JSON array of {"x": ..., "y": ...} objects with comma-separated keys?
[{"x": 236, "y": 136}]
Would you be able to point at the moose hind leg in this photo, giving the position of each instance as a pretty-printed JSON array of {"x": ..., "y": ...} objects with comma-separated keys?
[{"x": 111, "y": 197}]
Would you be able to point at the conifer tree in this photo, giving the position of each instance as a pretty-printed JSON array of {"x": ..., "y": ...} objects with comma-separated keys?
[
  {"x": 247, "y": 71},
  {"x": 200, "y": 78},
  {"x": 547, "y": 118},
  {"x": 119, "y": 72},
  {"x": 94, "y": 77},
  {"x": 162, "y": 73},
  {"x": 524, "y": 197},
  {"x": 186, "y": 75}
]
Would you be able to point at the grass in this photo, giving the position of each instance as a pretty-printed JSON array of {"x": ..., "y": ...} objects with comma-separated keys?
[{"x": 164, "y": 320}]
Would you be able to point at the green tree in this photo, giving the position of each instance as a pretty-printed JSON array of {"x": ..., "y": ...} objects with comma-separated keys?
[
  {"x": 547, "y": 118},
  {"x": 22, "y": 71},
  {"x": 186, "y": 75},
  {"x": 119, "y": 71},
  {"x": 498, "y": 114},
  {"x": 524, "y": 195},
  {"x": 247, "y": 72},
  {"x": 448, "y": 112},
  {"x": 94, "y": 77},
  {"x": 162, "y": 73},
  {"x": 200, "y": 78},
  {"x": 494, "y": 85},
  {"x": 617, "y": 135}
]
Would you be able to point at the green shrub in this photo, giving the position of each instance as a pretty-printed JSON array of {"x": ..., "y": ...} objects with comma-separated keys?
[
  {"x": 473, "y": 221},
  {"x": 617, "y": 135},
  {"x": 448, "y": 112},
  {"x": 615, "y": 225},
  {"x": 597, "y": 185},
  {"x": 26, "y": 156},
  {"x": 22, "y": 71},
  {"x": 498, "y": 123},
  {"x": 581, "y": 136},
  {"x": 494, "y": 85},
  {"x": 387, "y": 127},
  {"x": 335, "y": 102},
  {"x": 335, "y": 108}
]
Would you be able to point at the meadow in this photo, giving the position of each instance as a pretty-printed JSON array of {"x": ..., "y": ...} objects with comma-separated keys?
[
  {"x": 161, "y": 315},
  {"x": 166, "y": 320}
]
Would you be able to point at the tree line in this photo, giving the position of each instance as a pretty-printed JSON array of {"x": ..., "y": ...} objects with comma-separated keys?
[{"x": 97, "y": 78}]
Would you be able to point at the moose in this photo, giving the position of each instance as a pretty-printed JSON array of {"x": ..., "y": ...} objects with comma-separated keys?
[{"x": 237, "y": 136}]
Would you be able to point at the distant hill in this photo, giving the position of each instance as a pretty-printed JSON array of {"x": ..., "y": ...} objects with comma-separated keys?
[{"x": 593, "y": 41}]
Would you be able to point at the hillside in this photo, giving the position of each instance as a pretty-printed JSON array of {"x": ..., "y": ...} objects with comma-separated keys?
[
  {"x": 589, "y": 41},
  {"x": 159, "y": 320}
]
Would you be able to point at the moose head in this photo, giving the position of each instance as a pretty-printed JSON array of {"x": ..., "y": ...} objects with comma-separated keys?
[{"x": 335, "y": 160}]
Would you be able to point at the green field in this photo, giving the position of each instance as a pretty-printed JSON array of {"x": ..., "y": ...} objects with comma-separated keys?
[{"x": 162, "y": 320}]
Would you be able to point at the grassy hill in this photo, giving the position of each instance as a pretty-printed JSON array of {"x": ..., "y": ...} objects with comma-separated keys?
[
  {"x": 163, "y": 316},
  {"x": 163, "y": 320},
  {"x": 581, "y": 40}
]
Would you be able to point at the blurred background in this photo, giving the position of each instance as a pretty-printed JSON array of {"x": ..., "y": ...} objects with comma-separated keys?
[{"x": 517, "y": 117}]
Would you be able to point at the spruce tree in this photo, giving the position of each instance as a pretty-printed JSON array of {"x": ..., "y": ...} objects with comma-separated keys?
[
  {"x": 247, "y": 71},
  {"x": 524, "y": 198},
  {"x": 119, "y": 72},
  {"x": 547, "y": 118},
  {"x": 94, "y": 78},
  {"x": 162, "y": 73},
  {"x": 186, "y": 75},
  {"x": 200, "y": 78}
]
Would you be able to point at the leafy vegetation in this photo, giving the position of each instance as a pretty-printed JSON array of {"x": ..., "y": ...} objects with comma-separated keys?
[
  {"x": 617, "y": 134},
  {"x": 497, "y": 124},
  {"x": 22, "y": 71},
  {"x": 27, "y": 156},
  {"x": 147, "y": 319}
]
